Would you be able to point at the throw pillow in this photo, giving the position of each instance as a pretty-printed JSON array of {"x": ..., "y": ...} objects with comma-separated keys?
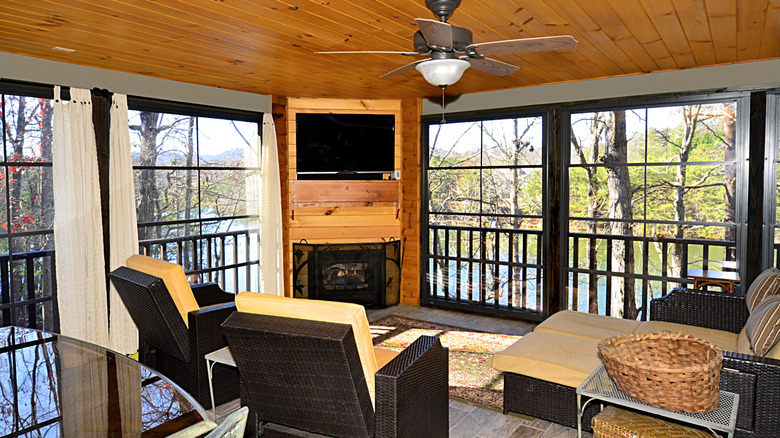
[
  {"x": 767, "y": 283},
  {"x": 763, "y": 325}
]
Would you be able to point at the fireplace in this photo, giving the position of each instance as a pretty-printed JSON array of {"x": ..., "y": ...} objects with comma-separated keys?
[{"x": 361, "y": 273}]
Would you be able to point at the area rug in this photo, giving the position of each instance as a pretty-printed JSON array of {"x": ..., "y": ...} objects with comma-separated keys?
[{"x": 471, "y": 352}]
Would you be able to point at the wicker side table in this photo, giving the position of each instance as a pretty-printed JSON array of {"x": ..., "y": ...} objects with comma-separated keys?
[{"x": 599, "y": 386}]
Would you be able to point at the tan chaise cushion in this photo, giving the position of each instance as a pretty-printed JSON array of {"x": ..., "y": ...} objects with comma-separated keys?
[
  {"x": 586, "y": 325},
  {"x": 767, "y": 283},
  {"x": 723, "y": 339},
  {"x": 173, "y": 277},
  {"x": 551, "y": 357},
  {"x": 763, "y": 325},
  {"x": 317, "y": 310}
]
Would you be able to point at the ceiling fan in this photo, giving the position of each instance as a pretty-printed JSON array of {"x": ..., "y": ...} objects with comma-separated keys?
[{"x": 452, "y": 51}]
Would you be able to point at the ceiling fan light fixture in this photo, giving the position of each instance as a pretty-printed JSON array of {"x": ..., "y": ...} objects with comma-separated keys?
[{"x": 442, "y": 72}]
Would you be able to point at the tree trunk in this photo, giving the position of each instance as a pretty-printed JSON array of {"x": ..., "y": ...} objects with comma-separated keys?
[
  {"x": 597, "y": 129},
  {"x": 47, "y": 206},
  {"x": 147, "y": 185},
  {"x": 188, "y": 193},
  {"x": 15, "y": 180},
  {"x": 690, "y": 119},
  {"x": 518, "y": 299},
  {"x": 15, "y": 209},
  {"x": 619, "y": 186},
  {"x": 594, "y": 203}
]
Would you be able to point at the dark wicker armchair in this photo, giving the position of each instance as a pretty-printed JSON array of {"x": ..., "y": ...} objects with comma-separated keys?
[
  {"x": 755, "y": 379},
  {"x": 177, "y": 351},
  {"x": 303, "y": 378}
]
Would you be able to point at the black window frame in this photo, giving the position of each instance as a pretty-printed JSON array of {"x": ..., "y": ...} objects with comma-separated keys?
[
  {"x": 204, "y": 272},
  {"x": 426, "y": 297}
]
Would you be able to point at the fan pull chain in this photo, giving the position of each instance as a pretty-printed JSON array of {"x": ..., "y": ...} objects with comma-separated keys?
[{"x": 442, "y": 104}]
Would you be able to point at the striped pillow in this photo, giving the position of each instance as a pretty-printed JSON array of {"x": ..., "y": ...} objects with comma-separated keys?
[
  {"x": 767, "y": 283},
  {"x": 763, "y": 325}
]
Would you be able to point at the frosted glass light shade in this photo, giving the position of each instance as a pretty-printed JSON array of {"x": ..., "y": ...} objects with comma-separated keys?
[{"x": 442, "y": 72}]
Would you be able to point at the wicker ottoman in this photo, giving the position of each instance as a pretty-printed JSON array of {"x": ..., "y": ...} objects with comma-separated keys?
[{"x": 618, "y": 423}]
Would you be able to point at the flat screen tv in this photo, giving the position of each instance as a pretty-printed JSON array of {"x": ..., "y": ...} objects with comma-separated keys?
[{"x": 345, "y": 146}]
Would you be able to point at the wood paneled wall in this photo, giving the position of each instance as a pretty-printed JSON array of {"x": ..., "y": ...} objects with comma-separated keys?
[
  {"x": 355, "y": 211},
  {"x": 411, "y": 109},
  {"x": 279, "y": 111}
]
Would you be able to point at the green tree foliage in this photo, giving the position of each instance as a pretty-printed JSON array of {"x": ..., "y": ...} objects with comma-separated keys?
[{"x": 678, "y": 176}]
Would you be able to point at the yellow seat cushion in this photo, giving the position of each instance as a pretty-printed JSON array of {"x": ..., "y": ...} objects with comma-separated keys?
[
  {"x": 586, "y": 325},
  {"x": 316, "y": 310},
  {"x": 551, "y": 357},
  {"x": 383, "y": 356},
  {"x": 723, "y": 339},
  {"x": 173, "y": 277}
]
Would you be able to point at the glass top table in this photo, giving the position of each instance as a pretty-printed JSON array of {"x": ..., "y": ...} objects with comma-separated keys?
[{"x": 55, "y": 386}]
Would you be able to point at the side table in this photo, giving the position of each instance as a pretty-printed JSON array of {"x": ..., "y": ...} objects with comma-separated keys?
[
  {"x": 599, "y": 386},
  {"x": 724, "y": 279},
  {"x": 221, "y": 356}
]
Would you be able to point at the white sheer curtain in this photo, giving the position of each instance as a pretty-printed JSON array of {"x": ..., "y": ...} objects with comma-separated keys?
[
  {"x": 78, "y": 231},
  {"x": 271, "y": 248},
  {"x": 123, "y": 226}
]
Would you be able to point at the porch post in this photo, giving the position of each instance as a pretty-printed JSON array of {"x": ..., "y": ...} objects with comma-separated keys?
[{"x": 755, "y": 208}]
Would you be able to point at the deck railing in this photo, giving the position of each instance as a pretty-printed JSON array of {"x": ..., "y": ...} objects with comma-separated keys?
[
  {"x": 500, "y": 270},
  {"x": 28, "y": 290},
  {"x": 223, "y": 258},
  {"x": 653, "y": 275},
  {"x": 496, "y": 270}
]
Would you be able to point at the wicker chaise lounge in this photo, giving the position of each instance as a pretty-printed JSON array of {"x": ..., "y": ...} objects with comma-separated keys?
[
  {"x": 564, "y": 347},
  {"x": 309, "y": 369}
]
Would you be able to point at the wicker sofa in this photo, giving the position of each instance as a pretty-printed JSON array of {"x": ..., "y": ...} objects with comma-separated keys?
[{"x": 542, "y": 370}]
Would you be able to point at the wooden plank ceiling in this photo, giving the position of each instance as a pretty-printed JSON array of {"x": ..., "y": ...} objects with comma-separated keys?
[{"x": 266, "y": 46}]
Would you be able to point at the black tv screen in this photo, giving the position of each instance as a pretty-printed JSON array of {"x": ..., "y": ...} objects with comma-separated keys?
[{"x": 345, "y": 146}]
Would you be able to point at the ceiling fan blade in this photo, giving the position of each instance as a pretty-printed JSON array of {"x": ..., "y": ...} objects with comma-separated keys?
[
  {"x": 492, "y": 66},
  {"x": 563, "y": 42},
  {"x": 437, "y": 33},
  {"x": 402, "y": 69},
  {"x": 383, "y": 52}
]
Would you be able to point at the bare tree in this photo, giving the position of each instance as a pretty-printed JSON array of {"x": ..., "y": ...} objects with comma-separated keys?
[
  {"x": 620, "y": 208},
  {"x": 595, "y": 202},
  {"x": 148, "y": 194}
]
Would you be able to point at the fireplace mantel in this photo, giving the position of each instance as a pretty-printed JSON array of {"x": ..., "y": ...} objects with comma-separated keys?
[{"x": 306, "y": 193}]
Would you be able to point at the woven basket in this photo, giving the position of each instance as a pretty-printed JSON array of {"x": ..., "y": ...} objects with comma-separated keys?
[
  {"x": 618, "y": 423},
  {"x": 671, "y": 371}
]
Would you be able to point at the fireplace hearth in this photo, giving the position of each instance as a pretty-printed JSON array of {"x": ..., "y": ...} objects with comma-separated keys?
[{"x": 361, "y": 273}]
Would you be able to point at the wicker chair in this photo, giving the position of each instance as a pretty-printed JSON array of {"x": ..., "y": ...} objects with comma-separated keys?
[
  {"x": 755, "y": 379},
  {"x": 303, "y": 378},
  {"x": 172, "y": 347}
]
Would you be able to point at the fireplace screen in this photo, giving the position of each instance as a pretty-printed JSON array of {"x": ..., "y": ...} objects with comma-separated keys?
[{"x": 362, "y": 273}]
